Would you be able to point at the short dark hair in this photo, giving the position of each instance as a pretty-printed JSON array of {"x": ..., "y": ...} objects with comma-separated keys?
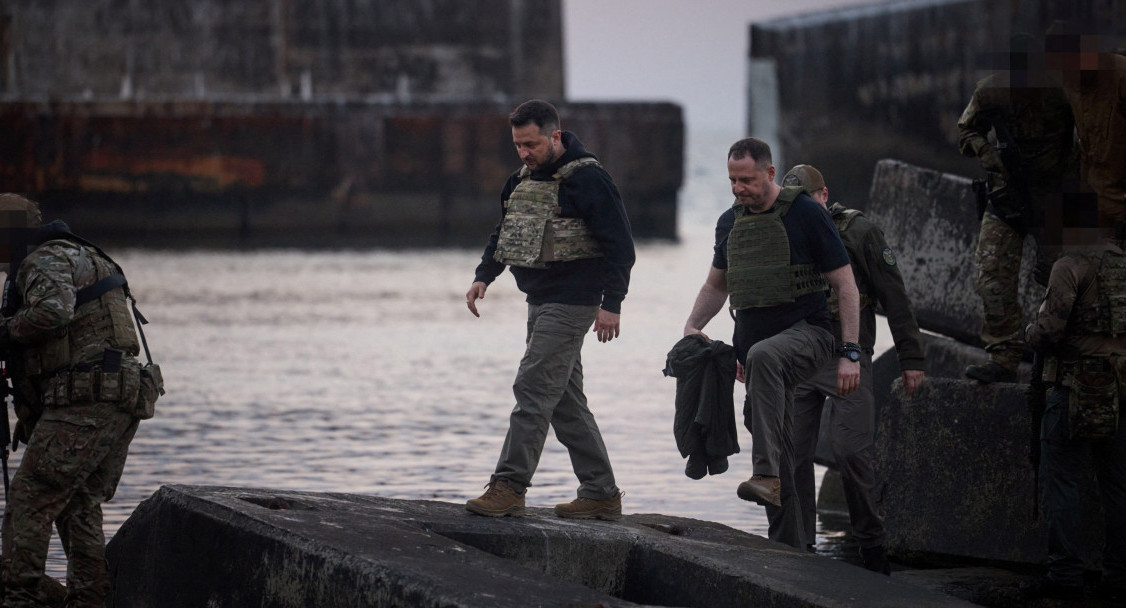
[
  {"x": 537, "y": 111},
  {"x": 758, "y": 150}
]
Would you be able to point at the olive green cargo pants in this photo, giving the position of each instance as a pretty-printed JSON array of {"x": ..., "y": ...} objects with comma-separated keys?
[{"x": 549, "y": 392}]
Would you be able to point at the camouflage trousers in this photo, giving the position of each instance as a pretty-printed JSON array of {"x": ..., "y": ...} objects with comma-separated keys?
[
  {"x": 72, "y": 465},
  {"x": 997, "y": 258}
]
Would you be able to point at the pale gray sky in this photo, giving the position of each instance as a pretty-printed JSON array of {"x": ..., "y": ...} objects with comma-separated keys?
[{"x": 691, "y": 52}]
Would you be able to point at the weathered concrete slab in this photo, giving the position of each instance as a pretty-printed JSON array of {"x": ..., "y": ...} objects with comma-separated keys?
[
  {"x": 930, "y": 220},
  {"x": 956, "y": 476},
  {"x": 208, "y": 546},
  {"x": 946, "y": 358}
]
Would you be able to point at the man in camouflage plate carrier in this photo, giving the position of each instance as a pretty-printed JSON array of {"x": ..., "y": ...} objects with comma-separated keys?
[
  {"x": 776, "y": 255},
  {"x": 1020, "y": 127},
  {"x": 71, "y": 347},
  {"x": 1080, "y": 329},
  {"x": 852, "y": 418},
  {"x": 565, "y": 236}
]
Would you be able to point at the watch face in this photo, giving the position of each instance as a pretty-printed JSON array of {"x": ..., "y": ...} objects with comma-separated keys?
[{"x": 851, "y": 355}]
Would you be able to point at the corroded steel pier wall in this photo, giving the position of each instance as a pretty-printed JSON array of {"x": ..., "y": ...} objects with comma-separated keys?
[
  {"x": 183, "y": 173},
  {"x": 274, "y": 122}
]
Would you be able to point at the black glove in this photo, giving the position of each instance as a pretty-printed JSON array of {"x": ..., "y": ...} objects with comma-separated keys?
[{"x": 1042, "y": 271}]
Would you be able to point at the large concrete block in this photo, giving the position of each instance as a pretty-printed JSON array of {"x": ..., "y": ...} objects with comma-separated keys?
[
  {"x": 945, "y": 358},
  {"x": 930, "y": 221},
  {"x": 956, "y": 476},
  {"x": 204, "y": 546},
  {"x": 889, "y": 79}
]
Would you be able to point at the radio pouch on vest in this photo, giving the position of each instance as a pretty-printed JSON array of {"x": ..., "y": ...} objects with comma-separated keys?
[{"x": 1092, "y": 411}]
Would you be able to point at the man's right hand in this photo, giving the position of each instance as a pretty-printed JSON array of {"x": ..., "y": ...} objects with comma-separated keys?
[
  {"x": 991, "y": 161},
  {"x": 476, "y": 292},
  {"x": 688, "y": 331}
]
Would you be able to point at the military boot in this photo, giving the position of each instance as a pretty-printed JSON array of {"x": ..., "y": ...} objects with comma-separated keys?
[
  {"x": 499, "y": 500},
  {"x": 876, "y": 559},
  {"x": 589, "y": 508},
  {"x": 990, "y": 372},
  {"x": 763, "y": 489}
]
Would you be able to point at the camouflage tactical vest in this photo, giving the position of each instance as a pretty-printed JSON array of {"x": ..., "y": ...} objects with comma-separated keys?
[
  {"x": 1109, "y": 317},
  {"x": 1096, "y": 383},
  {"x": 842, "y": 218},
  {"x": 759, "y": 272},
  {"x": 1112, "y": 293},
  {"x": 104, "y": 322},
  {"x": 532, "y": 233}
]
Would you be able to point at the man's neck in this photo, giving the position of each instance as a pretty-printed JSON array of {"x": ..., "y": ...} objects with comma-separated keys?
[{"x": 771, "y": 198}]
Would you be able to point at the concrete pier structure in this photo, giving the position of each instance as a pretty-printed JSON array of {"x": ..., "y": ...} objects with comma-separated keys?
[{"x": 207, "y": 546}]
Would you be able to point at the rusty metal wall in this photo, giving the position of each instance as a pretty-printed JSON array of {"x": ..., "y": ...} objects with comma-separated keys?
[{"x": 313, "y": 174}]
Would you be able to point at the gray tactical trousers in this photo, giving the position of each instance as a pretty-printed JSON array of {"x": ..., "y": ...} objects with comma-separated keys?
[
  {"x": 549, "y": 392},
  {"x": 774, "y": 368},
  {"x": 852, "y": 437}
]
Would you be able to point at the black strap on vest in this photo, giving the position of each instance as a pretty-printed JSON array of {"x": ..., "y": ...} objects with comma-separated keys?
[
  {"x": 95, "y": 291},
  {"x": 104, "y": 285}
]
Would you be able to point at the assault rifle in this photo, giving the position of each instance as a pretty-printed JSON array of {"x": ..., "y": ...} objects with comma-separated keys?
[
  {"x": 9, "y": 302},
  {"x": 1019, "y": 175},
  {"x": 6, "y": 426},
  {"x": 1037, "y": 399}
]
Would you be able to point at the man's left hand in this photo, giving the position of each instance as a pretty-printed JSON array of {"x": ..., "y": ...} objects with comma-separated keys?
[
  {"x": 912, "y": 378},
  {"x": 606, "y": 325},
  {"x": 848, "y": 376}
]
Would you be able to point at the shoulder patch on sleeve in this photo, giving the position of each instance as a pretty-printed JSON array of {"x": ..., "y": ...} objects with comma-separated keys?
[{"x": 889, "y": 256}]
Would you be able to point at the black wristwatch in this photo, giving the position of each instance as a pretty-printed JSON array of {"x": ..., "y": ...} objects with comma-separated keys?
[{"x": 850, "y": 351}]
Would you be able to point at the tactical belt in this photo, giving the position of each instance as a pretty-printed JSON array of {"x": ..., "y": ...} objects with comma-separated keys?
[
  {"x": 1062, "y": 372},
  {"x": 93, "y": 386}
]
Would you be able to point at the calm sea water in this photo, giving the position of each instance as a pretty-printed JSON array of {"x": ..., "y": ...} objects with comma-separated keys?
[{"x": 363, "y": 372}]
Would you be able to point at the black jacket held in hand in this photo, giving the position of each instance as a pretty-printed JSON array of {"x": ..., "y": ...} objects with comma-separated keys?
[
  {"x": 705, "y": 410},
  {"x": 589, "y": 194}
]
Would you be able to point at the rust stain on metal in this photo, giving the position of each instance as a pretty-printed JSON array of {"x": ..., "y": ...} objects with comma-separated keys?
[{"x": 118, "y": 171}]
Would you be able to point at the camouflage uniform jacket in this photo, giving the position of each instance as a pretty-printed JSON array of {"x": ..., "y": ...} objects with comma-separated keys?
[
  {"x": 1039, "y": 119},
  {"x": 876, "y": 271},
  {"x": 1100, "y": 120},
  {"x": 49, "y": 280},
  {"x": 1072, "y": 288}
]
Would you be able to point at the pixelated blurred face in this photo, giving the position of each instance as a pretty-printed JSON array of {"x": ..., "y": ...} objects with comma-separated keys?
[
  {"x": 750, "y": 183},
  {"x": 534, "y": 148},
  {"x": 12, "y": 225}
]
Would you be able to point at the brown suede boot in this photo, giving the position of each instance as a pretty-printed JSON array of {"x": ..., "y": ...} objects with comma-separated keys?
[
  {"x": 763, "y": 489},
  {"x": 588, "y": 508},
  {"x": 499, "y": 500}
]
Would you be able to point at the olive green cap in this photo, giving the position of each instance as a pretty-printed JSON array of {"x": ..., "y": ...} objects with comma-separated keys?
[{"x": 805, "y": 176}]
